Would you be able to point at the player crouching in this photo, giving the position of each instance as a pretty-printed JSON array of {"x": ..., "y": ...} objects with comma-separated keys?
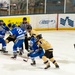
[{"x": 34, "y": 50}]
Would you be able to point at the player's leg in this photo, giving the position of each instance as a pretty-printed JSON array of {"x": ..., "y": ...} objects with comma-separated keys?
[
  {"x": 22, "y": 47},
  {"x": 32, "y": 55},
  {"x": 49, "y": 54},
  {"x": 3, "y": 45},
  {"x": 26, "y": 42},
  {"x": 0, "y": 43},
  {"x": 33, "y": 61},
  {"x": 54, "y": 62},
  {"x": 17, "y": 43},
  {"x": 20, "y": 50},
  {"x": 52, "y": 59},
  {"x": 14, "y": 50},
  {"x": 46, "y": 62},
  {"x": 41, "y": 53}
]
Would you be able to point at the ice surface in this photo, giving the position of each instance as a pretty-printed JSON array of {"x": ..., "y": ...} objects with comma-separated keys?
[{"x": 64, "y": 53}]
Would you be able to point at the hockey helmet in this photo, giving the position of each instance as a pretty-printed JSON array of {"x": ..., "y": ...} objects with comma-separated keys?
[
  {"x": 39, "y": 36},
  {"x": 29, "y": 27},
  {"x": 13, "y": 25}
]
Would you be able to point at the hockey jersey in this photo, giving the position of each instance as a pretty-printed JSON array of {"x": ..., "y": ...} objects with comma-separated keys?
[
  {"x": 3, "y": 30},
  {"x": 18, "y": 32},
  {"x": 33, "y": 45}
]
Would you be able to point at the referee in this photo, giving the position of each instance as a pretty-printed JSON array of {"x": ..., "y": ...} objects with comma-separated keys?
[{"x": 24, "y": 25}]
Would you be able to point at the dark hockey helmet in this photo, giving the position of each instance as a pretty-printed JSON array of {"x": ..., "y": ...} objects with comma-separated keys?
[
  {"x": 39, "y": 36},
  {"x": 29, "y": 27}
]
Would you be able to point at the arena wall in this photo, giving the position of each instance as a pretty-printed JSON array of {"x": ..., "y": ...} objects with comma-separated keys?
[{"x": 45, "y": 21}]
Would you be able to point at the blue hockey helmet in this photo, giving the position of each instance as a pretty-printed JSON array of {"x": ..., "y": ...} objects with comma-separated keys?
[
  {"x": 13, "y": 25},
  {"x": 1, "y": 20}
]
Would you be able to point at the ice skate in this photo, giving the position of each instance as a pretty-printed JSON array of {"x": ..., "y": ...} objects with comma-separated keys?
[
  {"x": 21, "y": 52},
  {"x": 48, "y": 66},
  {"x": 33, "y": 63},
  {"x": 3, "y": 50},
  {"x": 17, "y": 51},
  {"x": 57, "y": 66},
  {"x": 14, "y": 55}
]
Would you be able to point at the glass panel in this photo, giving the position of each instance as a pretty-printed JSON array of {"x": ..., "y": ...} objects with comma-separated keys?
[
  {"x": 55, "y": 6},
  {"x": 4, "y": 7},
  {"x": 70, "y": 8},
  {"x": 18, "y": 6},
  {"x": 36, "y": 6}
]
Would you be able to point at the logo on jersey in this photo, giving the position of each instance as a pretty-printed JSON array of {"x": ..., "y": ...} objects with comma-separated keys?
[{"x": 67, "y": 20}]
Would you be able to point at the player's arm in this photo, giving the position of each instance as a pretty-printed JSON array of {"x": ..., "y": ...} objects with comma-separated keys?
[{"x": 10, "y": 38}]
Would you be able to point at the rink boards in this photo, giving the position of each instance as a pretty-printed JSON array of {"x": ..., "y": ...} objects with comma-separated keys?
[{"x": 44, "y": 21}]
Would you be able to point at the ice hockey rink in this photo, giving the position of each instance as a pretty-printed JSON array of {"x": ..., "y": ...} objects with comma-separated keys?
[{"x": 64, "y": 53}]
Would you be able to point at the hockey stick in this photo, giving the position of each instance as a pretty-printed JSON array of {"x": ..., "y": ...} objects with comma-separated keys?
[{"x": 25, "y": 59}]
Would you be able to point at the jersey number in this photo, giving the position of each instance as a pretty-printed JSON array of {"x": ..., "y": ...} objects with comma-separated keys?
[{"x": 19, "y": 31}]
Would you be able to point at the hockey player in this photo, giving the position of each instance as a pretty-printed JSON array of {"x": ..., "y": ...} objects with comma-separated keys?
[
  {"x": 48, "y": 50},
  {"x": 46, "y": 46},
  {"x": 3, "y": 29},
  {"x": 10, "y": 37},
  {"x": 35, "y": 34},
  {"x": 19, "y": 34},
  {"x": 34, "y": 50}
]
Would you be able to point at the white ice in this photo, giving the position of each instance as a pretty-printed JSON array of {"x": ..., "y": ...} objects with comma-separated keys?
[{"x": 64, "y": 54}]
